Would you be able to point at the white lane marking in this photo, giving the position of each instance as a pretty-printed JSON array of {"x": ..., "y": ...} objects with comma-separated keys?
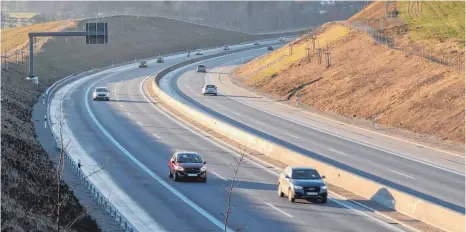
[
  {"x": 351, "y": 140},
  {"x": 219, "y": 176},
  {"x": 140, "y": 124},
  {"x": 357, "y": 142},
  {"x": 156, "y": 136},
  {"x": 401, "y": 174},
  {"x": 185, "y": 199},
  {"x": 121, "y": 105},
  {"x": 259, "y": 123},
  {"x": 339, "y": 152},
  {"x": 292, "y": 135},
  {"x": 223, "y": 107},
  {"x": 128, "y": 113},
  {"x": 279, "y": 210},
  {"x": 237, "y": 113},
  {"x": 267, "y": 167}
]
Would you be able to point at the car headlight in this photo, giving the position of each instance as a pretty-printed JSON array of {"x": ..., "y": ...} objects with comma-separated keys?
[
  {"x": 179, "y": 168},
  {"x": 203, "y": 169},
  {"x": 323, "y": 187},
  {"x": 298, "y": 187}
]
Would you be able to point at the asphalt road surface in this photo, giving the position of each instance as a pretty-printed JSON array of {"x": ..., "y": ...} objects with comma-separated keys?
[
  {"x": 440, "y": 183},
  {"x": 127, "y": 128}
]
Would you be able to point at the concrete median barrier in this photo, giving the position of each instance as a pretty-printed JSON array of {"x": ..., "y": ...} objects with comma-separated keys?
[{"x": 407, "y": 204}]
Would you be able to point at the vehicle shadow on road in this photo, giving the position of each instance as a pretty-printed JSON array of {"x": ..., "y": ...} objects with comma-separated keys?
[{"x": 255, "y": 185}]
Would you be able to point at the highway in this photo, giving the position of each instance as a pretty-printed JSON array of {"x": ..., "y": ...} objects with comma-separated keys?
[
  {"x": 400, "y": 166},
  {"x": 134, "y": 140}
]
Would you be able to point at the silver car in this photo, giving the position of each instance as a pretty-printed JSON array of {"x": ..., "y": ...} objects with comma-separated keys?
[
  {"x": 101, "y": 93},
  {"x": 209, "y": 89},
  {"x": 302, "y": 183},
  {"x": 199, "y": 52}
]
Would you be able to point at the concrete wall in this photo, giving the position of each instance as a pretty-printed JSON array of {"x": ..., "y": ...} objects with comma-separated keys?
[{"x": 412, "y": 206}]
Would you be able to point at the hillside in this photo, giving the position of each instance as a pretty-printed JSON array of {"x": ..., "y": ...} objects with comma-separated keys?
[
  {"x": 16, "y": 39},
  {"x": 251, "y": 17},
  {"x": 27, "y": 171},
  {"x": 395, "y": 86}
]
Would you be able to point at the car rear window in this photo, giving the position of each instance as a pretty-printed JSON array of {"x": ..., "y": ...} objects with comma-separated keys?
[
  {"x": 210, "y": 86},
  {"x": 305, "y": 174},
  {"x": 201, "y": 66},
  {"x": 101, "y": 90},
  {"x": 188, "y": 158}
]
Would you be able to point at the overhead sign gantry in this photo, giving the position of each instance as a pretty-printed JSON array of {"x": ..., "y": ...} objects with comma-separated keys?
[{"x": 96, "y": 33}]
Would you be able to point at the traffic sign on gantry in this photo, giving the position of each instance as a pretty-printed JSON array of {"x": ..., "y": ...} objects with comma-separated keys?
[{"x": 97, "y": 33}]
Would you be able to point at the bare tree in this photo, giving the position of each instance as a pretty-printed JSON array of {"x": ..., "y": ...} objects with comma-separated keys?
[
  {"x": 60, "y": 165},
  {"x": 60, "y": 201},
  {"x": 236, "y": 164}
]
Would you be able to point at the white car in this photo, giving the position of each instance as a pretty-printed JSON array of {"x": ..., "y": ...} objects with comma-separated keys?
[
  {"x": 226, "y": 48},
  {"x": 257, "y": 43},
  {"x": 101, "y": 93},
  {"x": 199, "y": 52},
  {"x": 282, "y": 39},
  {"x": 209, "y": 89}
]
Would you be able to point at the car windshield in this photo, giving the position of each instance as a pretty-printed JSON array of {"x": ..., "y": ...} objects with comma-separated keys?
[
  {"x": 101, "y": 90},
  {"x": 305, "y": 174},
  {"x": 189, "y": 158}
]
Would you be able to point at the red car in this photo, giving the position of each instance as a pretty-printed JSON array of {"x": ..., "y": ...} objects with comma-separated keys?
[{"x": 187, "y": 165}]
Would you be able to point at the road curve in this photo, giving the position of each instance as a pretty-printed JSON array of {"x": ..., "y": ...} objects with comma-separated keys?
[
  {"x": 134, "y": 141},
  {"x": 435, "y": 183}
]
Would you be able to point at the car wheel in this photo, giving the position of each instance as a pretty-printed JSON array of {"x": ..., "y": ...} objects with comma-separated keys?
[
  {"x": 290, "y": 196},
  {"x": 323, "y": 200},
  {"x": 170, "y": 175},
  {"x": 279, "y": 190},
  {"x": 204, "y": 180},
  {"x": 215, "y": 94}
]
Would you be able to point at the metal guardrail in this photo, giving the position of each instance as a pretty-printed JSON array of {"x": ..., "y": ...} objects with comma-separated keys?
[
  {"x": 97, "y": 195},
  {"x": 99, "y": 198}
]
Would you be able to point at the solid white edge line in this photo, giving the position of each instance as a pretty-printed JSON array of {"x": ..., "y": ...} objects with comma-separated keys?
[
  {"x": 140, "y": 124},
  {"x": 259, "y": 123},
  {"x": 377, "y": 133},
  {"x": 352, "y": 140},
  {"x": 185, "y": 199},
  {"x": 402, "y": 174},
  {"x": 279, "y": 210},
  {"x": 263, "y": 165}
]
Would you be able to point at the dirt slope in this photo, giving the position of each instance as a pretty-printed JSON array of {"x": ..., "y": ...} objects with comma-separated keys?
[
  {"x": 26, "y": 168},
  {"x": 406, "y": 91},
  {"x": 16, "y": 39}
]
